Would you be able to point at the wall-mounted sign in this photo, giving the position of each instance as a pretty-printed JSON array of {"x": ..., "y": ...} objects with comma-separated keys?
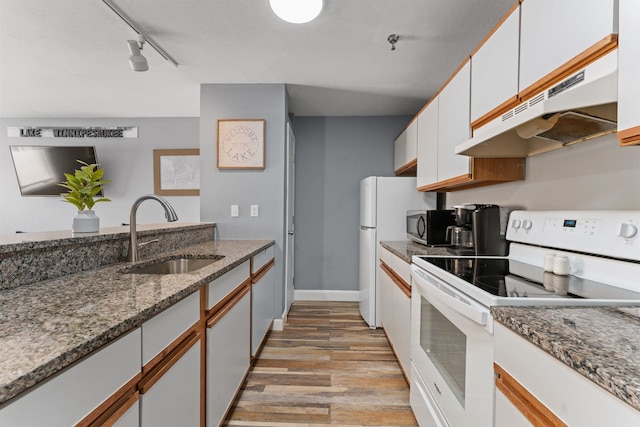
[{"x": 72, "y": 132}]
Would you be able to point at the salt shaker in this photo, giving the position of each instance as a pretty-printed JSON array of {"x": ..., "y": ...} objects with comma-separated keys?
[
  {"x": 561, "y": 265},
  {"x": 548, "y": 261}
]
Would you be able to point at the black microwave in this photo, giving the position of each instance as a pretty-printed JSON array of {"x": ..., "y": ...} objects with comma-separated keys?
[{"x": 429, "y": 227}]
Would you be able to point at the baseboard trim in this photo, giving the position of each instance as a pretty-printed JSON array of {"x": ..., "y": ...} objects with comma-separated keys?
[
  {"x": 278, "y": 325},
  {"x": 318, "y": 295}
]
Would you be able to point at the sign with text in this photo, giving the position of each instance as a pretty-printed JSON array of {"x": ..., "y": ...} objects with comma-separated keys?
[{"x": 72, "y": 132}]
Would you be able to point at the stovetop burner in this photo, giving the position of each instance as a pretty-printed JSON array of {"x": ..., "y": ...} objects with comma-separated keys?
[{"x": 507, "y": 278}]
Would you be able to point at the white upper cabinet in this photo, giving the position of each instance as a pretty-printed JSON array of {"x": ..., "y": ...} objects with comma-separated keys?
[
  {"x": 552, "y": 32},
  {"x": 628, "y": 71},
  {"x": 427, "y": 122},
  {"x": 453, "y": 124},
  {"x": 494, "y": 68},
  {"x": 405, "y": 149}
]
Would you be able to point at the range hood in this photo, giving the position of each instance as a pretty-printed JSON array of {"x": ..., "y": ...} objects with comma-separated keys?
[{"x": 582, "y": 107}]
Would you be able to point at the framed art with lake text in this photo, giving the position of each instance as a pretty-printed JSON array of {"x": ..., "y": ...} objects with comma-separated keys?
[
  {"x": 176, "y": 172},
  {"x": 240, "y": 144}
]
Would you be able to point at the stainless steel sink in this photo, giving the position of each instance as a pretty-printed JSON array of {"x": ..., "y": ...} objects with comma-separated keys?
[{"x": 173, "y": 266}]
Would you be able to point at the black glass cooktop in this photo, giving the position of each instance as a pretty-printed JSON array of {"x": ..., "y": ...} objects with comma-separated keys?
[{"x": 512, "y": 279}]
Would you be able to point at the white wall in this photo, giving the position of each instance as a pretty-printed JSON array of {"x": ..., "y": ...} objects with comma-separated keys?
[
  {"x": 596, "y": 174},
  {"x": 128, "y": 163}
]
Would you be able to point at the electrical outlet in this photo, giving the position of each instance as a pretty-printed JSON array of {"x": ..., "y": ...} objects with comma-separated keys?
[
  {"x": 234, "y": 211},
  {"x": 254, "y": 210}
]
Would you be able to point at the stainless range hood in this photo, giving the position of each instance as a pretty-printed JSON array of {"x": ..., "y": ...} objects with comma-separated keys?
[{"x": 580, "y": 108}]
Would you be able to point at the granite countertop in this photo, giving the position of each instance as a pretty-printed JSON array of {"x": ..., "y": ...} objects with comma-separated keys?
[
  {"x": 600, "y": 343},
  {"x": 48, "y": 325},
  {"x": 405, "y": 249}
]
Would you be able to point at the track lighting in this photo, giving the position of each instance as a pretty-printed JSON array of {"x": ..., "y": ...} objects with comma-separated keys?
[
  {"x": 137, "y": 61},
  {"x": 135, "y": 47}
]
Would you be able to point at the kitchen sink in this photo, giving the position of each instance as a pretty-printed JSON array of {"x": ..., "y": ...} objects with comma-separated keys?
[{"x": 173, "y": 266}]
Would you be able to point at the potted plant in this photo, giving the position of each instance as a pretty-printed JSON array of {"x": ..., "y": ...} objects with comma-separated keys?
[{"x": 84, "y": 186}]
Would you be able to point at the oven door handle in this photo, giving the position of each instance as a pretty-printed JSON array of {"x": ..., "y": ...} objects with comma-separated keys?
[{"x": 457, "y": 301}]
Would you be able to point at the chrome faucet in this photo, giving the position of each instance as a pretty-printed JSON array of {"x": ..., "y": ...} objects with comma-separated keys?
[{"x": 169, "y": 213}]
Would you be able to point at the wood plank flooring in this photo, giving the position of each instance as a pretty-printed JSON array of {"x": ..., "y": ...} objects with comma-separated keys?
[{"x": 326, "y": 368}]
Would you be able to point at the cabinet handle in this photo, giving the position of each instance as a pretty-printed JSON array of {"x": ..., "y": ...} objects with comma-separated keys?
[
  {"x": 224, "y": 310},
  {"x": 159, "y": 369},
  {"x": 534, "y": 410}
]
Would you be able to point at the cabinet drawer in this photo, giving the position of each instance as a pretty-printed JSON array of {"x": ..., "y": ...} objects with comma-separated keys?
[
  {"x": 263, "y": 257},
  {"x": 402, "y": 269},
  {"x": 69, "y": 396},
  {"x": 161, "y": 330},
  {"x": 223, "y": 285}
]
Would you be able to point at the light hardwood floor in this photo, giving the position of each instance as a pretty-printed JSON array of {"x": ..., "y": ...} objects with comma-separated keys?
[{"x": 326, "y": 367}]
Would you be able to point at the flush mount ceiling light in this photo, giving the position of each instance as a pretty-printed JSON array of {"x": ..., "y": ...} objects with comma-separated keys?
[
  {"x": 136, "y": 60},
  {"x": 296, "y": 11}
]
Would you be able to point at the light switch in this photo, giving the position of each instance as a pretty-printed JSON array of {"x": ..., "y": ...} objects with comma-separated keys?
[
  {"x": 234, "y": 211},
  {"x": 254, "y": 210}
]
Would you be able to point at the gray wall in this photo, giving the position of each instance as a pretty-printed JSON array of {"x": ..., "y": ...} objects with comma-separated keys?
[
  {"x": 332, "y": 155},
  {"x": 128, "y": 163},
  {"x": 596, "y": 174},
  {"x": 266, "y": 188}
]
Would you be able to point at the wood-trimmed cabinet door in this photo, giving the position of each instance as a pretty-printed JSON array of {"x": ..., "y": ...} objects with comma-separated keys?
[
  {"x": 228, "y": 339},
  {"x": 454, "y": 126},
  {"x": 554, "y": 32},
  {"x": 427, "y": 168},
  {"x": 262, "y": 296},
  {"x": 170, "y": 386},
  {"x": 405, "y": 151},
  {"x": 83, "y": 392},
  {"x": 228, "y": 348},
  {"x": 628, "y": 70},
  {"x": 494, "y": 71}
]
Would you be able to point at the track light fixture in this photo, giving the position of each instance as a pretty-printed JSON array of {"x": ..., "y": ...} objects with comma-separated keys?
[
  {"x": 137, "y": 61},
  {"x": 134, "y": 46}
]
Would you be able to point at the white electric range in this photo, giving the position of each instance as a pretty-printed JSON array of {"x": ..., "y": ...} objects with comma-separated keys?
[{"x": 596, "y": 259}]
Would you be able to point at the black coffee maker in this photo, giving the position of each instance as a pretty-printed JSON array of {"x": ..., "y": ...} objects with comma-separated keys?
[
  {"x": 481, "y": 230},
  {"x": 489, "y": 224}
]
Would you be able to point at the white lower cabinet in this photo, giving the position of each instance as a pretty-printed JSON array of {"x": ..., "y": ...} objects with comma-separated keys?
[
  {"x": 395, "y": 306},
  {"x": 228, "y": 347},
  {"x": 545, "y": 387},
  {"x": 68, "y": 397},
  {"x": 174, "y": 400},
  {"x": 170, "y": 384},
  {"x": 262, "y": 307}
]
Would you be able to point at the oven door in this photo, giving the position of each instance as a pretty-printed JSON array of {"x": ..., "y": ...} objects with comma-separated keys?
[{"x": 452, "y": 350}]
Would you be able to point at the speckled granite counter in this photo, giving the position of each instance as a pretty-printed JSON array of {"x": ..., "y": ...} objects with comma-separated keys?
[
  {"x": 601, "y": 343},
  {"x": 406, "y": 249},
  {"x": 46, "y": 326}
]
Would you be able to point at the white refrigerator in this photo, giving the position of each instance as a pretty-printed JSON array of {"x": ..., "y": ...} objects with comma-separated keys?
[{"x": 384, "y": 202}]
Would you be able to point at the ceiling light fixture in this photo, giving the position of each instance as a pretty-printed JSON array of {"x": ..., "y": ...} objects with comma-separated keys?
[
  {"x": 137, "y": 61},
  {"x": 393, "y": 39},
  {"x": 143, "y": 38},
  {"x": 296, "y": 11}
]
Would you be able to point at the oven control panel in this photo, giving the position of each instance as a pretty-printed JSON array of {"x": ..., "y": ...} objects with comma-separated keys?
[{"x": 610, "y": 233}]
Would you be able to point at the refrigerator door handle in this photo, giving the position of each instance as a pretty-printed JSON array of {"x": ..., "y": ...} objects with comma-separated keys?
[{"x": 364, "y": 227}]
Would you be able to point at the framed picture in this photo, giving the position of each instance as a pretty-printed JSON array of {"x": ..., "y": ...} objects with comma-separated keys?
[
  {"x": 240, "y": 144},
  {"x": 176, "y": 172}
]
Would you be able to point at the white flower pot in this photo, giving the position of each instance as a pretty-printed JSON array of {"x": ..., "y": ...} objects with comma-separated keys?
[{"x": 85, "y": 222}]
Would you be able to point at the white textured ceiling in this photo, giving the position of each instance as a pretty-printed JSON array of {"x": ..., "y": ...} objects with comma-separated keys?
[{"x": 68, "y": 58}]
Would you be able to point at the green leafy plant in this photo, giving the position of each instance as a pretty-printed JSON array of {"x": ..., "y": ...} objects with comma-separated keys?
[{"x": 84, "y": 185}]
